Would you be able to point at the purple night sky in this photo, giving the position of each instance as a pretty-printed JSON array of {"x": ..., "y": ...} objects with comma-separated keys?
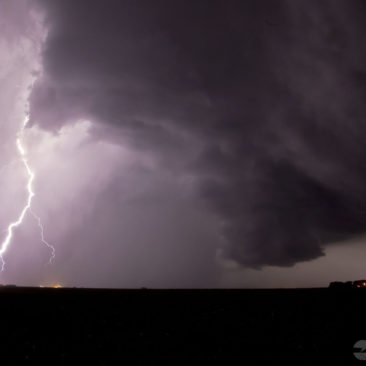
[{"x": 184, "y": 143}]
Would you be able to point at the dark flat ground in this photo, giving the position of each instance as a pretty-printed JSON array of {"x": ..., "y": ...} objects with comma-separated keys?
[{"x": 180, "y": 327}]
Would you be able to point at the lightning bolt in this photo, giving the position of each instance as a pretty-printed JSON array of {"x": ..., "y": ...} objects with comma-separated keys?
[
  {"x": 29, "y": 187},
  {"x": 43, "y": 240}
]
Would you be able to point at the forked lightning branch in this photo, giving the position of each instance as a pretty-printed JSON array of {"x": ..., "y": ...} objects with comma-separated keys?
[{"x": 28, "y": 205}]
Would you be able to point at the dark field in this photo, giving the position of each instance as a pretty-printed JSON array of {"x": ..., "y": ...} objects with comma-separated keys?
[{"x": 180, "y": 327}]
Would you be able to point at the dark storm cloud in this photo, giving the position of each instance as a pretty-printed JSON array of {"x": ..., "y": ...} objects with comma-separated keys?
[{"x": 261, "y": 101}]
